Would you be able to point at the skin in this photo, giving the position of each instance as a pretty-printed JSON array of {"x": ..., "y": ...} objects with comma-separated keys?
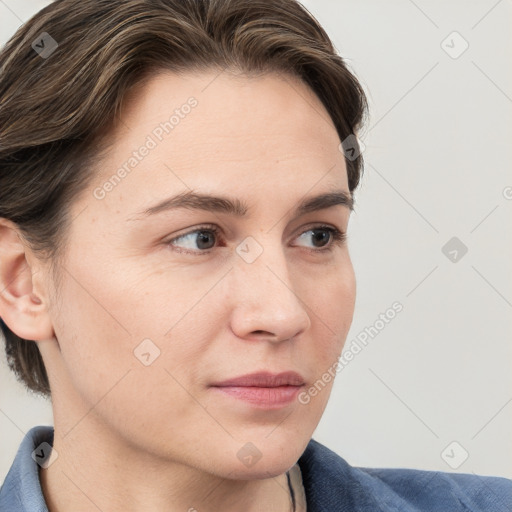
[{"x": 131, "y": 437}]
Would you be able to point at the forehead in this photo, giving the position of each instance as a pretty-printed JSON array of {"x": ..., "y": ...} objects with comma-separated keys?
[
  {"x": 221, "y": 131},
  {"x": 226, "y": 105}
]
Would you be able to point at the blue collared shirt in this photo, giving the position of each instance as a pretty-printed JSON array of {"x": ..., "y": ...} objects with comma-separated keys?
[{"x": 330, "y": 484}]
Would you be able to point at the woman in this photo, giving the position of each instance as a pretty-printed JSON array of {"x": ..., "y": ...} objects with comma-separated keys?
[{"x": 173, "y": 215}]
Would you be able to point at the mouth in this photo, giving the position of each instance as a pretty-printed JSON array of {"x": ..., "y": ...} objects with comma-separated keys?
[{"x": 263, "y": 389}]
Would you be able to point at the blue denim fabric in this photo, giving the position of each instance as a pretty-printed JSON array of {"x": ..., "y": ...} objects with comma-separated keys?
[
  {"x": 21, "y": 490},
  {"x": 331, "y": 485}
]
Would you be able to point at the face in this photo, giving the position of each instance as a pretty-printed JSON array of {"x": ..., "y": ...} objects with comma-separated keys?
[{"x": 156, "y": 307}]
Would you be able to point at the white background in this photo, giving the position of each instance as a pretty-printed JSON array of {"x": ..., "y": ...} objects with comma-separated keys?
[{"x": 438, "y": 155}]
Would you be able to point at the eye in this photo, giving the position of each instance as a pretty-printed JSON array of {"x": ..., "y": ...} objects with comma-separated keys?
[
  {"x": 323, "y": 237},
  {"x": 197, "y": 241}
]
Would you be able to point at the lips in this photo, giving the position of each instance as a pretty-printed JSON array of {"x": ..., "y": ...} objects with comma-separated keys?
[
  {"x": 262, "y": 390},
  {"x": 264, "y": 380}
]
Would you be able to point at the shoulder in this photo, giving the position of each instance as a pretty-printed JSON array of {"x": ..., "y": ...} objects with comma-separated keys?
[
  {"x": 21, "y": 489},
  {"x": 331, "y": 484}
]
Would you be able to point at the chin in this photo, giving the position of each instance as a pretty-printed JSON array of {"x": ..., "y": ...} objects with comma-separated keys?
[
  {"x": 265, "y": 459},
  {"x": 260, "y": 471}
]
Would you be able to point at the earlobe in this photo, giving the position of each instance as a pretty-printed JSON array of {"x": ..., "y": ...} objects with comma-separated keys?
[
  {"x": 22, "y": 307},
  {"x": 36, "y": 299}
]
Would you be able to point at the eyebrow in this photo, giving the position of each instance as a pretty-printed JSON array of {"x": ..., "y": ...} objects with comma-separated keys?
[{"x": 221, "y": 204}]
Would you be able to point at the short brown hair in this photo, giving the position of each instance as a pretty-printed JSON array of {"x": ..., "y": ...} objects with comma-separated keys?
[{"x": 65, "y": 73}]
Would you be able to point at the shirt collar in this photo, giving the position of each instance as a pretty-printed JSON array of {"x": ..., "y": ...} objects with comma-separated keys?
[{"x": 21, "y": 490}]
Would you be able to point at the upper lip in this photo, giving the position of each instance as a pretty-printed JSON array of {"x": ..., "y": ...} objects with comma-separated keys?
[{"x": 264, "y": 380}]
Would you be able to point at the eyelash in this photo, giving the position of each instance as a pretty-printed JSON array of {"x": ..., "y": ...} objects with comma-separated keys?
[{"x": 338, "y": 238}]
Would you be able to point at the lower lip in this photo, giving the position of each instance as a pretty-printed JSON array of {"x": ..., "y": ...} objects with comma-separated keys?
[{"x": 266, "y": 398}]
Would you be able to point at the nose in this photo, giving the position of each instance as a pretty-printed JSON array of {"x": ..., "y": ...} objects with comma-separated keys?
[{"x": 266, "y": 303}]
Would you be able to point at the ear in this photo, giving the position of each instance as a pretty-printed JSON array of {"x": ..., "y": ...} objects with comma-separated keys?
[{"x": 23, "y": 301}]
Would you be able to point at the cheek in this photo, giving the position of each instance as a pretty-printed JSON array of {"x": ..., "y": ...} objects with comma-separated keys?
[
  {"x": 335, "y": 308},
  {"x": 117, "y": 322},
  {"x": 333, "y": 301},
  {"x": 94, "y": 331},
  {"x": 346, "y": 290},
  {"x": 102, "y": 374}
]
